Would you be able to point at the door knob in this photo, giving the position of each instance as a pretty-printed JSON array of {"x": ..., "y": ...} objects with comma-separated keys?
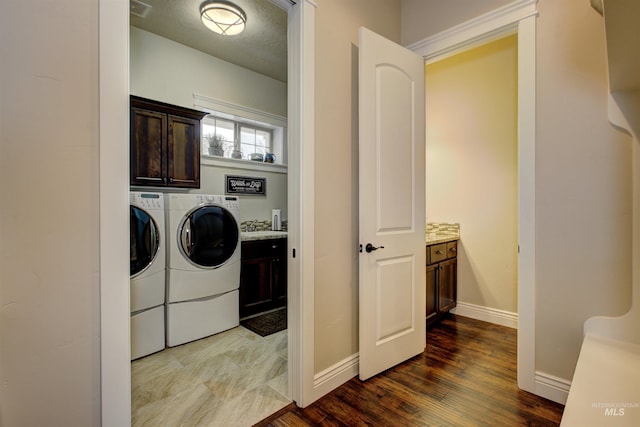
[{"x": 370, "y": 248}]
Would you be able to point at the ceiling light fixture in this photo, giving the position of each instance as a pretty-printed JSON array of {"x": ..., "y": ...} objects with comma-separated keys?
[{"x": 223, "y": 17}]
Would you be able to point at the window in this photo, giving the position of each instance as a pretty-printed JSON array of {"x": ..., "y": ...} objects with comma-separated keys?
[{"x": 235, "y": 139}]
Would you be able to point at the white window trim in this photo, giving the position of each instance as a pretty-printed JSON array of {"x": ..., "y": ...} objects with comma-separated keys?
[
  {"x": 227, "y": 162},
  {"x": 213, "y": 105},
  {"x": 242, "y": 114}
]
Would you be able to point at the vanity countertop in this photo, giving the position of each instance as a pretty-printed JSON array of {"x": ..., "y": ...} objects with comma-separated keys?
[
  {"x": 435, "y": 238},
  {"x": 441, "y": 232},
  {"x": 262, "y": 235}
]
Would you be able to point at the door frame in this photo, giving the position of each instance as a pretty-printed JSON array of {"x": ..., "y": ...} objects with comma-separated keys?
[
  {"x": 517, "y": 17},
  {"x": 113, "y": 343}
]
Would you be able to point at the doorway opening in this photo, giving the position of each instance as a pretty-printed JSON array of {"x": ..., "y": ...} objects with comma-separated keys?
[
  {"x": 114, "y": 187},
  {"x": 472, "y": 172},
  {"x": 518, "y": 18}
]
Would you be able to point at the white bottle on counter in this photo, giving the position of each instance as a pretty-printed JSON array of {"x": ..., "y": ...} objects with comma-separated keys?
[{"x": 276, "y": 223}]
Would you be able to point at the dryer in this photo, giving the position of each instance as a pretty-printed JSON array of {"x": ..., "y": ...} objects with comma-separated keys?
[
  {"x": 203, "y": 265},
  {"x": 147, "y": 256}
]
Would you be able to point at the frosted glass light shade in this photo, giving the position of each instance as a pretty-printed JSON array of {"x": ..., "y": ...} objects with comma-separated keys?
[{"x": 223, "y": 17}]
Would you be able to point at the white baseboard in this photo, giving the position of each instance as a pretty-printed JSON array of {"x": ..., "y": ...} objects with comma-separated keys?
[
  {"x": 334, "y": 376},
  {"x": 487, "y": 314},
  {"x": 551, "y": 387},
  {"x": 548, "y": 386}
]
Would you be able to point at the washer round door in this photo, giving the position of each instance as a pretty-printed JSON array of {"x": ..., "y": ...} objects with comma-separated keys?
[
  {"x": 208, "y": 236},
  {"x": 144, "y": 240}
]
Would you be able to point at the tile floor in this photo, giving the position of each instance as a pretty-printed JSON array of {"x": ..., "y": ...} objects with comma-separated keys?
[{"x": 235, "y": 378}]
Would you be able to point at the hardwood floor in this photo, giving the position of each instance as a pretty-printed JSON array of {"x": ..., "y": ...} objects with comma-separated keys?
[{"x": 466, "y": 377}]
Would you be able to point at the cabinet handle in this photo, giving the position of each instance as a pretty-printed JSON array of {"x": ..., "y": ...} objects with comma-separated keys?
[
  {"x": 438, "y": 252},
  {"x": 452, "y": 249}
]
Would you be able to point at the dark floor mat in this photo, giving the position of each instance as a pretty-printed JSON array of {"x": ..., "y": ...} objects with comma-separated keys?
[{"x": 268, "y": 323}]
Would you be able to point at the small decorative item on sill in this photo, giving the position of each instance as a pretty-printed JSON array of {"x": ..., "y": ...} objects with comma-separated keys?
[
  {"x": 258, "y": 157},
  {"x": 236, "y": 153},
  {"x": 269, "y": 158},
  {"x": 216, "y": 145}
]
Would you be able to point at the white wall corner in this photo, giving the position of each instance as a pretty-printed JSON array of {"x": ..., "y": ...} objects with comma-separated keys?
[
  {"x": 335, "y": 375},
  {"x": 487, "y": 314},
  {"x": 616, "y": 117},
  {"x": 552, "y": 387}
]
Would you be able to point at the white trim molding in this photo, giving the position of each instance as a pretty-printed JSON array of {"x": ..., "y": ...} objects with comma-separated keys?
[
  {"x": 214, "y": 104},
  {"x": 336, "y": 375},
  {"x": 552, "y": 387},
  {"x": 482, "y": 29},
  {"x": 301, "y": 201},
  {"x": 517, "y": 17},
  {"x": 487, "y": 314},
  {"x": 115, "y": 356}
]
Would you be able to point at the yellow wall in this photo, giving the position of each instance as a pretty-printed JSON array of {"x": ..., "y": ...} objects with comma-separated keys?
[{"x": 471, "y": 159}]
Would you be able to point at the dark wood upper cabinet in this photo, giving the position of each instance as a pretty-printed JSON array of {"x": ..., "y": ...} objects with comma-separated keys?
[{"x": 164, "y": 144}]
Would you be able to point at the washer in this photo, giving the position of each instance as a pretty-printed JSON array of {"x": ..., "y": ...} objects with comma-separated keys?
[
  {"x": 147, "y": 255},
  {"x": 203, "y": 265}
]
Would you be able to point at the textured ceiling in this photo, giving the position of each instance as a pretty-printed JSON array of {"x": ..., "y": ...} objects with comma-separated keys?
[{"x": 262, "y": 47}]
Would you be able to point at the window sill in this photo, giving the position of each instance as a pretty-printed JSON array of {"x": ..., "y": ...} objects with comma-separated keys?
[{"x": 226, "y": 162}]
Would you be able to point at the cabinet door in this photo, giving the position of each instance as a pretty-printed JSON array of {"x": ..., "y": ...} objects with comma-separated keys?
[
  {"x": 256, "y": 293},
  {"x": 447, "y": 285},
  {"x": 280, "y": 274},
  {"x": 432, "y": 292},
  {"x": 147, "y": 153},
  {"x": 183, "y": 152}
]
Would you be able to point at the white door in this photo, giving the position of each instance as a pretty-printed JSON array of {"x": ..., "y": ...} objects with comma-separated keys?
[{"x": 392, "y": 204}]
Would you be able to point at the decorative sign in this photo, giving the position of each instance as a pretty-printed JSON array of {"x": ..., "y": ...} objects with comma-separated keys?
[{"x": 246, "y": 185}]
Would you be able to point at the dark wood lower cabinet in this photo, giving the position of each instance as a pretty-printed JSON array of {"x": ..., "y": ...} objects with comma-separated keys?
[
  {"x": 442, "y": 280},
  {"x": 263, "y": 276}
]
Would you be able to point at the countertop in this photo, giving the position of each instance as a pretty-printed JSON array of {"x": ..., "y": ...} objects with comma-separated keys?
[
  {"x": 435, "y": 238},
  {"x": 262, "y": 235},
  {"x": 430, "y": 238}
]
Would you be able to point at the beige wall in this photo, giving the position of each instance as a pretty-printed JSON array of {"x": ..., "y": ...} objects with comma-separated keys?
[
  {"x": 336, "y": 236},
  {"x": 423, "y": 18},
  {"x": 471, "y": 166},
  {"x": 583, "y": 178},
  {"x": 49, "y": 236},
  {"x": 171, "y": 72},
  {"x": 583, "y": 186}
]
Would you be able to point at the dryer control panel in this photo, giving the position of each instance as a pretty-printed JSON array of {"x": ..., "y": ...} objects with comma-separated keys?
[{"x": 147, "y": 200}]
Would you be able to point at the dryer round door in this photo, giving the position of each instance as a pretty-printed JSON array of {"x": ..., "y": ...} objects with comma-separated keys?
[
  {"x": 208, "y": 236},
  {"x": 144, "y": 240}
]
